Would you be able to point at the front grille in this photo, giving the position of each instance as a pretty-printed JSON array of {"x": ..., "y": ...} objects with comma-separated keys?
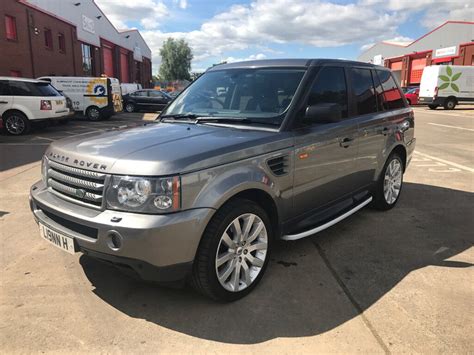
[{"x": 83, "y": 186}]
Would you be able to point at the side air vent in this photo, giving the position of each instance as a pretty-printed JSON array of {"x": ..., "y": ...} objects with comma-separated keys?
[{"x": 278, "y": 165}]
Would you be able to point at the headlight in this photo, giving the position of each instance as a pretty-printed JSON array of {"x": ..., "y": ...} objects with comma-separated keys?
[
  {"x": 142, "y": 194},
  {"x": 44, "y": 170}
]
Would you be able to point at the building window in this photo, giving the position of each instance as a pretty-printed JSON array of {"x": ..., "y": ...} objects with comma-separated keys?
[
  {"x": 48, "y": 38},
  {"x": 86, "y": 59},
  {"x": 10, "y": 28},
  {"x": 15, "y": 73},
  {"x": 62, "y": 43}
]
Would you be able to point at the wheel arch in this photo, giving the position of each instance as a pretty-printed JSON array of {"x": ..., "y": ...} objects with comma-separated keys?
[{"x": 13, "y": 110}]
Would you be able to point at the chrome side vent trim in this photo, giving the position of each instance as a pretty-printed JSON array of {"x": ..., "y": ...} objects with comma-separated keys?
[{"x": 278, "y": 165}]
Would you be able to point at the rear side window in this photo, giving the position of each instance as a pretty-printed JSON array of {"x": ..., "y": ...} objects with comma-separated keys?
[
  {"x": 4, "y": 89},
  {"x": 23, "y": 88},
  {"x": 330, "y": 88},
  {"x": 140, "y": 93},
  {"x": 363, "y": 91},
  {"x": 392, "y": 96}
]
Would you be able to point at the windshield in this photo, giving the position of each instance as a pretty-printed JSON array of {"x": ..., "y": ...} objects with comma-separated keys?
[{"x": 261, "y": 95}]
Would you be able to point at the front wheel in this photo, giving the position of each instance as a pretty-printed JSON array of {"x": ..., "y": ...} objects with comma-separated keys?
[
  {"x": 389, "y": 185},
  {"x": 234, "y": 251}
]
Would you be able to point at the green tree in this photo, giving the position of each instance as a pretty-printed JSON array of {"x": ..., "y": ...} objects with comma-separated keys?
[{"x": 176, "y": 57}]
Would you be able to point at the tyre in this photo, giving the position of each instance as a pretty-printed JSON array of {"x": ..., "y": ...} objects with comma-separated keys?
[
  {"x": 93, "y": 113},
  {"x": 389, "y": 185},
  {"x": 234, "y": 251},
  {"x": 129, "y": 107},
  {"x": 16, "y": 123},
  {"x": 450, "y": 103},
  {"x": 433, "y": 107}
]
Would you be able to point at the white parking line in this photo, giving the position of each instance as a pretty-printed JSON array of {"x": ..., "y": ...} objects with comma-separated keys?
[
  {"x": 459, "y": 166},
  {"x": 447, "y": 126}
]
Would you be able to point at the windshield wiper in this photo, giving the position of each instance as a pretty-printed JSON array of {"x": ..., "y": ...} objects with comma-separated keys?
[
  {"x": 179, "y": 116},
  {"x": 223, "y": 119}
]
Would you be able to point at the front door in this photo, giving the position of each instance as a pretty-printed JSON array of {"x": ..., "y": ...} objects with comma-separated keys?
[{"x": 325, "y": 153}]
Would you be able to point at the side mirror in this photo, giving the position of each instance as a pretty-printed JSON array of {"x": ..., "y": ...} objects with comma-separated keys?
[{"x": 323, "y": 113}]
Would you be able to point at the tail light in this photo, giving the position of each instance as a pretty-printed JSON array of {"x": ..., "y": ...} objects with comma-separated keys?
[
  {"x": 45, "y": 105},
  {"x": 435, "y": 93}
]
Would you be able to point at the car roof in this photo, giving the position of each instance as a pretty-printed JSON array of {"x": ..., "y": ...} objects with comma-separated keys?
[
  {"x": 15, "y": 78},
  {"x": 295, "y": 63}
]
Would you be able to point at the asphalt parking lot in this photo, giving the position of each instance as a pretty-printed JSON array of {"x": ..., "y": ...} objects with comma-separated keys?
[{"x": 400, "y": 281}]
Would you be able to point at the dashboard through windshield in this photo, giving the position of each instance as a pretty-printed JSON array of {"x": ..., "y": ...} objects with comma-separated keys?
[{"x": 259, "y": 95}]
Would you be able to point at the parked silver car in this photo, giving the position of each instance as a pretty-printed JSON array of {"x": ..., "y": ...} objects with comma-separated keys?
[{"x": 290, "y": 148}]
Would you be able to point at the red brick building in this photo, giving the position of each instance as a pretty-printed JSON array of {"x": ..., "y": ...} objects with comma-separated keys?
[{"x": 35, "y": 42}]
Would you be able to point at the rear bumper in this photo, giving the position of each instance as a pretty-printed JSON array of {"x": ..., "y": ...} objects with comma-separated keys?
[
  {"x": 158, "y": 248},
  {"x": 56, "y": 115}
]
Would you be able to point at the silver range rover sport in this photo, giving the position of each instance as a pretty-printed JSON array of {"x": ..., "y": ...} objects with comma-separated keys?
[{"x": 249, "y": 153}]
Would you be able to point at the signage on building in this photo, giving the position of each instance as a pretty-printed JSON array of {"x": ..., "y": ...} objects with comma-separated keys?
[
  {"x": 87, "y": 24},
  {"x": 137, "y": 54},
  {"x": 445, "y": 52},
  {"x": 377, "y": 59}
]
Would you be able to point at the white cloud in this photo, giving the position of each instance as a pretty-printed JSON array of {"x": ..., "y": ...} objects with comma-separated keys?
[
  {"x": 148, "y": 12},
  {"x": 182, "y": 4},
  {"x": 258, "y": 56}
]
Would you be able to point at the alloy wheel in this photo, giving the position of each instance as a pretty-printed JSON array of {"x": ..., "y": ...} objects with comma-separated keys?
[
  {"x": 392, "y": 181},
  {"x": 15, "y": 125},
  {"x": 241, "y": 252}
]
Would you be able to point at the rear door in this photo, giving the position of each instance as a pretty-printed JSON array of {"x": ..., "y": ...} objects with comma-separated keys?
[
  {"x": 6, "y": 99},
  {"x": 141, "y": 99},
  {"x": 325, "y": 153}
]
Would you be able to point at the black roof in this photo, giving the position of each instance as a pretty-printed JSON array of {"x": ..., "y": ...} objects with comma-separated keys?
[{"x": 295, "y": 63}]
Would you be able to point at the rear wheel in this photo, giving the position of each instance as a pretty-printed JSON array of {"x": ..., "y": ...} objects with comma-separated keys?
[
  {"x": 450, "y": 103},
  {"x": 234, "y": 251},
  {"x": 389, "y": 186},
  {"x": 93, "y": 113},
  {"x": 433, "y": 107},
  {"x": 16, "y": 123},
  {"x": 129, "y": 107}
]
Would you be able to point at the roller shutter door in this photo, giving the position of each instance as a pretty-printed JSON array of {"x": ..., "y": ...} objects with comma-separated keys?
[
  {"x": 417, "y": 66},
  {"x": 124, "y": 78},
  {"x": 396, "y": 65},
  {"x": 108, "y": 61}
]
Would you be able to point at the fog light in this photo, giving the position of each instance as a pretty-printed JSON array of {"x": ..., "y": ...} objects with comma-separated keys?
[{"x": 114, "y": 241}]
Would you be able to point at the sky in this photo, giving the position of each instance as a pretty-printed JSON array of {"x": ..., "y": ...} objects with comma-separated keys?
[{"x": 234, "y": 30}]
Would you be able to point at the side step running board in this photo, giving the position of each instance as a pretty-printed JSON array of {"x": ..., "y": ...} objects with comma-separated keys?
[{"x": 328, "y": 224}]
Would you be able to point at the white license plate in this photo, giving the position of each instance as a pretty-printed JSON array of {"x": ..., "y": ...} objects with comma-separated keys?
[{"x": 57, "y": 239}]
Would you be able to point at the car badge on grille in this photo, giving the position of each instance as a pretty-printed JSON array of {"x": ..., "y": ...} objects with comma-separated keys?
[{"x": 80, "y": 193}]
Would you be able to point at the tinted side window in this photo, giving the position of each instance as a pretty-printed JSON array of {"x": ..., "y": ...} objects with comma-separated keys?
[
  {"x": 363, "y": 91},
  {"x": 155, "y": 94},
  {"x": 4, "y": 89},
  {"x": 391, "y": 94},
  {"x": 140, "y": 93},
  {"x": 20, "y": 88},
  {"x": 378, "y": 91},
  {"x": 45, "y": 90},
  {"x": 330, "y": 87}
]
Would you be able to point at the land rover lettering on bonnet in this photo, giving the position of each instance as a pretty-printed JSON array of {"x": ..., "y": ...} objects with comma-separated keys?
[{"x": 249, "y": 153}]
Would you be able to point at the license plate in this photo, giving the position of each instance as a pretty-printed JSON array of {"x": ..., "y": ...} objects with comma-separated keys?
[{"x": 58, "y": 239}]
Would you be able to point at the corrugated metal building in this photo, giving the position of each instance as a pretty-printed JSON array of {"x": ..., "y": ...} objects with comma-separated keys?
[
  {"x": 68, "y": 37},
  {"x": 450, "y": 43}
]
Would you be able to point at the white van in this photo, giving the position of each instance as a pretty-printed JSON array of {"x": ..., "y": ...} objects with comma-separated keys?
[
  {"x": 447, "y": 86},
  {"x": 23, "y": 101},
  {"x": 128, "y": 88},
  {"x": 97, "y": 98}
]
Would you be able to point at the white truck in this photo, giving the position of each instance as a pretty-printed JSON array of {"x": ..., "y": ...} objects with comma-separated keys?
[
  {"x": 447, "y": 86},
  {"x": 97, "y": 98}
]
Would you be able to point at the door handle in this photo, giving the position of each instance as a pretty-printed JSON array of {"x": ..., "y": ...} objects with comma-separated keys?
[
  {"x": 346, "y": 142},
  {"x": 3, "y": 102}
]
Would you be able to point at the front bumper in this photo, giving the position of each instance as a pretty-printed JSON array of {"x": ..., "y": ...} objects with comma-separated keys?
[{"x": 157, "y": 247}]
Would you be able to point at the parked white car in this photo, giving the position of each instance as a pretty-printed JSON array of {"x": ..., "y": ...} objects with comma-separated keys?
[
  {"x": 97, "y": 98},
  {"x": 23, "y": 101},
  {"x": 447, "y": 86}
]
